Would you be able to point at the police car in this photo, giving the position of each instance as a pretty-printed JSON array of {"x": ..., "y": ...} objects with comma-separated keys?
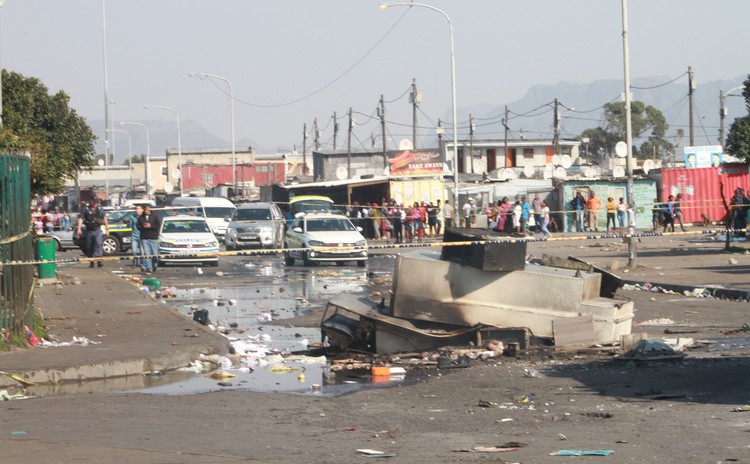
[{"x": 187, "y": 239}]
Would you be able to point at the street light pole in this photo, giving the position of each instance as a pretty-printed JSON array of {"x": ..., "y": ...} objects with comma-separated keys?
[
  {"x": 1, "y": 81},
  {"x": 147, "y": 164},
  {"x": 723, "y": 113},
  {"x": 130, "y": 156},
  {"x": 179, "y": 141},
  {"x": 632, "y": 260},
  {"x": 384, "y": 6},
  {"x": 106, "y": 99},
  {"x": 231, "y": 109}
]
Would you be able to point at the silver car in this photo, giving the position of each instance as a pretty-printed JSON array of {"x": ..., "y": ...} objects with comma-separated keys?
[{"x": 258, "y": 225}]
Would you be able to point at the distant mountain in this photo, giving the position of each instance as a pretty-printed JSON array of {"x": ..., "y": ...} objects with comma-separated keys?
[
  {"x": 670, "y": 98},
  {"x": 162, "y": 134}
]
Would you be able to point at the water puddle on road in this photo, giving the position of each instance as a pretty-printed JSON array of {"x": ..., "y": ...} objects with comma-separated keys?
[{"x": 253, "y": 313}]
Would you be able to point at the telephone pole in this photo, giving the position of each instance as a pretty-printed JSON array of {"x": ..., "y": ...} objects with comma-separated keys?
[
  {"x": 349, "y": 147},
  {"x": 316, "y": 134},
  {"x": 335, "y": 130},
  {"x": 556, "y": 128},
  {"x": 471, "y": 142},
  {"x": 440, "y": 132},
  {"x": 505, "y": 125},
  {"x": 304, "y": 149},
  {"x": 414, "y": 99},
  {"x": 382, "y": 130},
  {"x": 691, "y": 87}
]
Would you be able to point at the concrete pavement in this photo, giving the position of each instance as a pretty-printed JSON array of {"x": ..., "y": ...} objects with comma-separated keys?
[{"x": 136, "y": 333}]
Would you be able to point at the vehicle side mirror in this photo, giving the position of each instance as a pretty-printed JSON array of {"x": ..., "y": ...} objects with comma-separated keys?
[
  {"x": 227, "y": 219},
  {"x": 359, "y": 229},
  {"x": 298, "y": 230}
]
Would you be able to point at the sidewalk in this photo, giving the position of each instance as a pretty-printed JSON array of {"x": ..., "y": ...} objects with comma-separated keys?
[{"x": 136, "y": 333}]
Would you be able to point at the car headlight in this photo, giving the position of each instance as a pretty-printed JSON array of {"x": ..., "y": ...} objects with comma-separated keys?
[
  {"x": 315, "y": 243},
  {"x": 231, "y": 231},
  {"x": 361, "y": 243}
]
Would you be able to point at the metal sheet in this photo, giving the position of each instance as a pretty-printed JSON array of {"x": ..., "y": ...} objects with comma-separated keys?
[{"x": 701, "y": 189}]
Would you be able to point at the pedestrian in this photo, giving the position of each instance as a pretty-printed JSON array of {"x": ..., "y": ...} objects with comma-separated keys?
[
  {"x": 135, "y": 235},
  {"x": 622, "y": 209},
  {"x": 579, "y": 204},
  {"x": 668, "y": 213},
  {"x": 656, "y": 215},
  {"x": 525, "y": 213},
  {"x": 376, "y": 221},
  {"x": 432, "y": 219},
  {"x": 536, "y": 205},
  {"x": 149, "y": 225},
  {"x": 438, "y": 218},
  {"x": 49, "y": 221},
  {"x": 739, "y": 204},
  {"x": 592, "y": 207},
  {"x": 398, "y": 230},
  {"x": 408, "y": 220},
  {"x": 678, "y": 211},
  {"x": 448, "y": 214},
  {"x": 468, "y": 212},
  {"x": 545, "y": 220},
  {"x": 93, "y": 217},
  {"x": 611, "y": 207},
  {"x": 517, "y": 217}
]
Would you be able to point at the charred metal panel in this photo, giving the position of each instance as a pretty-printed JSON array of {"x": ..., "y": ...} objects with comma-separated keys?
[{"x": 487, "y": 257}]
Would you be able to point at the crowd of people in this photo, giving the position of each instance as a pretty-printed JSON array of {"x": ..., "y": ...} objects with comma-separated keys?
[{"x": 394, "y": 222}]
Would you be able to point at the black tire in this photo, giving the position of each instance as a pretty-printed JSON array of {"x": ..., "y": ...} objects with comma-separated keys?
[
  {"x": 288, "y": 258},
  {"x": 306, "y": 261},
  {"x": 362, "y": 263},
  {"x": 110, "y": 245}
]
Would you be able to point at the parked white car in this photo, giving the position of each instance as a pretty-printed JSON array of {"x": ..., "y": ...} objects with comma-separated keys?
[
  {"x": 324, "y": 230},
  {"x": 187, "y": 239}
]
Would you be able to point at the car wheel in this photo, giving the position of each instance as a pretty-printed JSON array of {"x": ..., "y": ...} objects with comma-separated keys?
[
  {"x": 288, "y": 258},
  {"x": 362, "y": 263},
  {"x": 305, "y": 260},
  {"x": 110, "y": 245}
]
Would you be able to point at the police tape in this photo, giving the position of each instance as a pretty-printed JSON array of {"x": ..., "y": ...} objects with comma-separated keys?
[{"x": 200, "y": 257}]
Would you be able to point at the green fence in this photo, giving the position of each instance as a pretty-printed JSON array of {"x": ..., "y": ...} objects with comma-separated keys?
[{"x": 16, "y": 282}]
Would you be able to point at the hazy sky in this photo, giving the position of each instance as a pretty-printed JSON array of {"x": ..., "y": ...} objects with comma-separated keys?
[{"x": 291, "y": 61}]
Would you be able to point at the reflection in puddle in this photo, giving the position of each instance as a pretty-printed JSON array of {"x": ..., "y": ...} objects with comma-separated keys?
[{"x": 263, "y": 291}]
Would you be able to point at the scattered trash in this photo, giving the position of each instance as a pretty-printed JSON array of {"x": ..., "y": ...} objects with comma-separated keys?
[
  {"x": 744, "y": 408},
  {"x": 5, "y": 396},
  {"x": 18, "y": 432},
  {"x": 561, "y": 436},
  {"x": 582, "y": 453},
  {"x": 652, "y": 350},
  {"x": 505, "y": 447},
  {"x": 221, "y": 375},
  {"x": 17, "y": 378},
  {"x": 661, "y": 321}
]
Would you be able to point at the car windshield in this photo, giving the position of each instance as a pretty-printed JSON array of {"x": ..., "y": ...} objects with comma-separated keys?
[
  {"x": 218, "y": 211},
  {"x": 310, "y": 206},
  {"x": 252, "y": 214},
  {"x": 185, "y": 226},
  {"x": 329, "y": 225}
]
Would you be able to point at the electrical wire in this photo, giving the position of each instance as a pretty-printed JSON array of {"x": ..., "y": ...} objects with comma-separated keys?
[
  {"x": 659, "y": 85},
  {"x": 399, "y": 97},
  {"x": 329, "y": 84}
]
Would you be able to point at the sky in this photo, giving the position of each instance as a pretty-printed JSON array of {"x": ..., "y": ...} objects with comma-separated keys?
[{"x": 291, "y": 61}]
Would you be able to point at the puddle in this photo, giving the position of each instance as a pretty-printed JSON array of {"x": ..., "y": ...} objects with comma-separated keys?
[{"x": 264, "y": 291}]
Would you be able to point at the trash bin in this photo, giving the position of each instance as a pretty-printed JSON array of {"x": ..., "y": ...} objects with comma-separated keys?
[{"x": 45, "y": 250}]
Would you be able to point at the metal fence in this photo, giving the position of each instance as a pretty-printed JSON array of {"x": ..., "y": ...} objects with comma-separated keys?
[{"x": 16, "y": 244}]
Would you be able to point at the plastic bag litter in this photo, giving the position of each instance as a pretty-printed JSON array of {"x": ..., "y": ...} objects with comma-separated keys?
[{"x": 5, "y": 396}]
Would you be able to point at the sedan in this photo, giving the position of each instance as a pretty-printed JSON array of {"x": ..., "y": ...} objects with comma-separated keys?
[
  {"x": 324, "y": 237},
  {"x": 187, "y": 239}
]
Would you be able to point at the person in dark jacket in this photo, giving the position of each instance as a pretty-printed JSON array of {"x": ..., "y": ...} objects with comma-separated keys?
[
  {"x": 93, "y": 217},
  {"x": 149, "y": 224}
]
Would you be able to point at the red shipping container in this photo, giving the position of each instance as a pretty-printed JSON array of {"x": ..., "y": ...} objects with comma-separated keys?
[{"x": 701, "y": 189}]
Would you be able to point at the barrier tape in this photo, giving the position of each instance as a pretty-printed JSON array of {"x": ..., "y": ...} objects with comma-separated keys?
[
  {"x": 388, "y": 246},
  {"x": 14, "y": 238}
]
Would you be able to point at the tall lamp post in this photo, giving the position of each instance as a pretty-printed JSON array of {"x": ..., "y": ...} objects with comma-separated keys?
[
  {"x": 632, "y": 261},
  {"x": 147, "y": 164},
  {"x": 1, "y": 82},
  {"x": 130, "y": 156},
  {"x": 179, "y": 141},
  {"x": 723, "y": 111},
  {"x": 231, "y": 109},
  {"x": 384, "y": 6}
]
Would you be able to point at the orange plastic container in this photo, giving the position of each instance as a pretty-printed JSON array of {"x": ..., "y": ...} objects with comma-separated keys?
[{"x": 379, "y": 371}]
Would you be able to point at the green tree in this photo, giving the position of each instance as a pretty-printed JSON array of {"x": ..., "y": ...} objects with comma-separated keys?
[
  {"x": 59, "y": 140},
  {"x": 646, "y": 122},
  {"x": 738, "y": 139},
  {"x": 136, "y": 159}
]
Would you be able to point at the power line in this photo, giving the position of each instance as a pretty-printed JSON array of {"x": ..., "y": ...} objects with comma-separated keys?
[{"x": 660, "y": 85}]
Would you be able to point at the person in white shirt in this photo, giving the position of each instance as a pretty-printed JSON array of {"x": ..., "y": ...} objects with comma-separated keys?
[
  {"x": 448, "y": 214},
  {"x": 468, "y": 209},
  {"x": 545, "y": 219}
]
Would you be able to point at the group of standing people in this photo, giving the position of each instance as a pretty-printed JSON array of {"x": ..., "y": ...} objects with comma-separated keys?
[
  {"x": 515, "y": 217},
  {"x": 48, "y": 220},
  {"x": 145, "y": 225},
  {"x": 394, "y": 221},
  {"x": 665, "y": 214}
]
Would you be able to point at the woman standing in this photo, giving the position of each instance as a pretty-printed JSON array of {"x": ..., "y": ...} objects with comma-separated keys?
[
  {"x": 611, "y": 211},
  {"x": 545, "y": 219},
  {"x": 622, "y": 209}
]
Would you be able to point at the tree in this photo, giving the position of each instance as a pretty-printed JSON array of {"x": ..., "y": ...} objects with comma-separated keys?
[
  {"x": 136, "y": 159},
  {"x": 59, "y": 140},
  {"x": 646, "y": 121},
  {"x": 738, "y": 139}
]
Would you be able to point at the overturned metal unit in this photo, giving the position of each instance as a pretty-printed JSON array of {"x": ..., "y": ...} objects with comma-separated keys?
[{"x": 446, "y": 298}]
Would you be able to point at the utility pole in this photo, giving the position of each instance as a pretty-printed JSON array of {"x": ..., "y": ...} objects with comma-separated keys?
[
  {"x": 440, "y": 132},
  {"x": 505, "y": 125},
  {"x": 382, "y": 130},
  {"x": 691, "y": 87},
  {"x": 556, "y": 128},
  {"x": 304, "y": 149},
  {"x": 335, "y": 130},
  {"x": 471, "y": 142},
  {"x": 722, "y": 115},
  {"x": 632, "y": 251},
  {"x": 414, "y": 99},
  {"x": 349, "y": 147},
  {"x": 316, "y": 134}
]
